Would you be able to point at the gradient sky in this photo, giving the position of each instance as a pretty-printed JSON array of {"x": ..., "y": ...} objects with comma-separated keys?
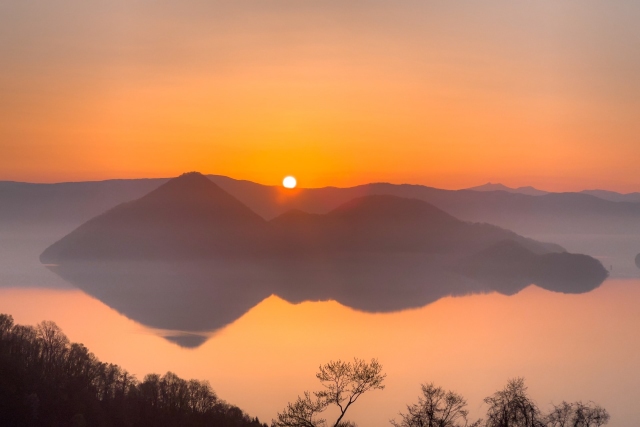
[{"x": 336, "y": 92}]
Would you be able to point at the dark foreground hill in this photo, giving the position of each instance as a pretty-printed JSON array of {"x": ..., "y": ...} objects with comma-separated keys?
[
  {"x": 189, "y": 256},
  {"x": 47, "y": 381}
]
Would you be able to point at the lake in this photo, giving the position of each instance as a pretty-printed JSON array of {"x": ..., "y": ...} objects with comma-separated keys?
[{"x": 567, "y": 347}]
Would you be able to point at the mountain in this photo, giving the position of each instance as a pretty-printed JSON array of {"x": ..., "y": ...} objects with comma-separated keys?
[
  {"x": 33, "y": 216},
  {"x": 561, "y": 213},
  {"x": 67, "y": 202},
  {"x": 528, "y": 190},
  {"x": 187, "y": 217},
  {"x": 170, "y": 258},
  {"x": 190, "y": 217},
  {"x": 190, "y": 257},
  {"x": 384, "y": 223},
  {"x": 359, "y": 249},
  {"x": 66, "y": 205},
  {"x": 613, "y": 196}
]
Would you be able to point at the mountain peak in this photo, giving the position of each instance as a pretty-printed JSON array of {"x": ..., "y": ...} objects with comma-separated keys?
[
  {"x": 191, "y": 175},
  {"x": 189, "y": 180},
  {"x": 195, "y": 189},
  {"x": 490, "y": 186},
  {"x": 528, "y": 190},
  {"x": 185, "y": 217}
]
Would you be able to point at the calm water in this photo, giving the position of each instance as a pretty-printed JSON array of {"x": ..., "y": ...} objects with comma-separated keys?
[{"x": 568, "y": 347}]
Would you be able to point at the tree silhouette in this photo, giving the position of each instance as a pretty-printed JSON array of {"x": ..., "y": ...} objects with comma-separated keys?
[
  {"x": 343, "y": 382},
  {"x": 509, "y": 407},
  {"x": 47, "y": 381},
  {"x": 577, "y": 414},
  {"x": 436, "y": 408},
  {"x": 512, "y": 407}
]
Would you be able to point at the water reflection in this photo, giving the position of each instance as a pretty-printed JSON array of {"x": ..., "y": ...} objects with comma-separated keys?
[
  {"x": 187, "y": 296},
  {"x": 569, "y": 347},
  {"x": 196, "y": 298}
]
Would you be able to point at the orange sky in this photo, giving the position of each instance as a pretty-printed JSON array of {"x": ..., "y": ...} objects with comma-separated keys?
[{"x": 333, "y": 92}]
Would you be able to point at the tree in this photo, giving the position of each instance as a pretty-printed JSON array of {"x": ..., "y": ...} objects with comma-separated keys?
[
  {"x": 47, "y": 381},
  {"x": 343, "y": 383},
  {"x": 436, "y": 408},
  {"x": 560, "y": 416},
  {"x": 590, "y": 415},
  {"x": 512, "y": 407},
  {"x": 302, "y": 413},
  {"x": 6, "y": 323},
  {"x": 577, "y": 414}
]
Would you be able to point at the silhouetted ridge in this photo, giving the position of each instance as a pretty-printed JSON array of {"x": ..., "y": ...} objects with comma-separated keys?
[
  {"x": 528, "y": 190},
  {"x": 192, "y": 196},
  {"x": 187, "y": 217},
  {"x": 391, "y": 209},
  {"x": 389, "y": 224},
  {"x": 509, "y": 266}
]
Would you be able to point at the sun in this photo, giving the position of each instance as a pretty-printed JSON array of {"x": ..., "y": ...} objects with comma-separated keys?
[{"x": 289, "y": 182}]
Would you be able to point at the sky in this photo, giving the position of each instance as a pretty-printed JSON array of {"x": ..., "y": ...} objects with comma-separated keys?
[{"x": 449, "y": 94}]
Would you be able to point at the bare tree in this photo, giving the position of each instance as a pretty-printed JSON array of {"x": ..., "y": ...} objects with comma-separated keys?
[
  {"x": 590, "y": 415},
  {"x": 560, "y": 416},
  {"x": 6, "y": 323},
  {"x": 343, "y": 383},
  {"x": 512, "y": 407},
  {"x": 436, "y": 408},
  {"x": 54, "y": 341},
  {"x": 302, "y": 413},
  {"x": 577, "y": 414}
]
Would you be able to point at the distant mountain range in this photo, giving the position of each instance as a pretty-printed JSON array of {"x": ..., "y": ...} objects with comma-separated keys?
[
  {"x": 531, "y": 191},
  {"x": 578, "y": 213},
  {"x": 552, "y": 213},
  {"x": 190, "y": 256}
]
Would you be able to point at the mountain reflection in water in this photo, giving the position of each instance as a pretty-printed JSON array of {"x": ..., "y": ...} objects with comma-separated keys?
[{"x": 198, "y": 298}]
